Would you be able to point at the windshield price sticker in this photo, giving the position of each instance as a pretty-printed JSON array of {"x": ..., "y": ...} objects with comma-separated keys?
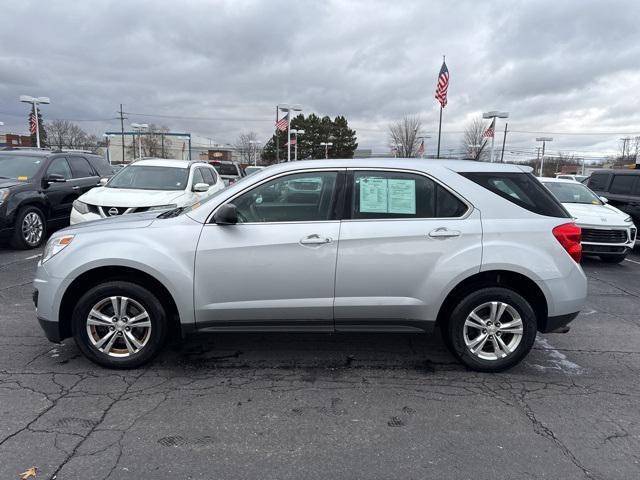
[{"x": 381, "y": 195}]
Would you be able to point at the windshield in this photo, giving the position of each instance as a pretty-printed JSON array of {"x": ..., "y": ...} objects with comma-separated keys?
[
  {"x": 226, "y": 168},
  {"x": 250, "y": 170},
  {"x": 572, "y": 193},
  {"x": 147, "y": 177},
  {"x": 19, "y": 167}
]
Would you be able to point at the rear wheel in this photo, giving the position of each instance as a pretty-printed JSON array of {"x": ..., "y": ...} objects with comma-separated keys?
[
  {"x": 30, "y": 228},
  {"x": 119, "y": 325},
  {"x": 613, "y": 258},
  {"x": 491, "y": 329}
]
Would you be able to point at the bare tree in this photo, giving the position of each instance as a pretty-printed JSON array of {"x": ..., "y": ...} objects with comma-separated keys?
[
  {"x": 248, "y": 147},
  {"x": 473, "y": 140},
  {"x": 404, "y": 136},
  {"x": 65, "y": 134},
  {"x": 629, "y": 150}
]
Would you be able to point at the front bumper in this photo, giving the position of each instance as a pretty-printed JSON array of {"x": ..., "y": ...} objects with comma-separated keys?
[
  {"x": 595, "y": 242},
  {"x": 46, "y": 298},
  {"x": 77, "y": 217}
]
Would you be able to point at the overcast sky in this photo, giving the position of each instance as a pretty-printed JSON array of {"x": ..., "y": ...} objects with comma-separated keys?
[{"x": 555, "y": 66}]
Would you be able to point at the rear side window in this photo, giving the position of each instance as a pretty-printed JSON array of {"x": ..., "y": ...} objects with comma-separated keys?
[
  {"x": 229, "y": 169},
  {"x": 385, "y": 195},
  {"x": 208, "y": 176},
  {"x": 598, "y": 181},
  {"x": 101, "y": 166},
  {"x": 80, "y": 167},
  {"x": 523, "y": 189},
  {"x": 622, "y": 184}
]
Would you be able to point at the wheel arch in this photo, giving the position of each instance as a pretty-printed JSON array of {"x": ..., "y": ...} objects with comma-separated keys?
[
  {"x": 98, "y": 275},
  {"x": 515, "y": 281}
]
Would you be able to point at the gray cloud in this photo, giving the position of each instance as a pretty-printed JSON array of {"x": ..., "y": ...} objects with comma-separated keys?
[{"x": 555, "y": 66}]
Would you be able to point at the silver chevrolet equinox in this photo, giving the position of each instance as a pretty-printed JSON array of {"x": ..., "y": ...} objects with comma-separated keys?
[{"x": 482, "y": 251}]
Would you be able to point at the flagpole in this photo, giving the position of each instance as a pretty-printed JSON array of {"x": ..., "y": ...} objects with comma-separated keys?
[
  {"x": 277, "y": 138},
  {"x": 289, "y": 135},
  {"x": 439, "y": 130}
]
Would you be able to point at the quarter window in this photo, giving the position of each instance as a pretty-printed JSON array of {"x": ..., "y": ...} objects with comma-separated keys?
[
  {"x": 80, "y": 167},
  {"x": 301, "y": 197},
  {"x": 59, "y": 166},
  {"x": 598, "y": 181},
  {"x": 382, "y": 195}
]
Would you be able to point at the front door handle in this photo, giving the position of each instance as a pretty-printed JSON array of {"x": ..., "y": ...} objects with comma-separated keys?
[
  {"x": 443, "y": 232},
  {"x": 315, "y": 239},
  {"x": 75, "y": 187}
]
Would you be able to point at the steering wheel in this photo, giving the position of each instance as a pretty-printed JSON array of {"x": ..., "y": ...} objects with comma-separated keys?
[{"x": 241, "y": 217}]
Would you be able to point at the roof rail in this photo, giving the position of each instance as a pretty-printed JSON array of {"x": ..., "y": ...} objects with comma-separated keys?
[
  {"x": 9, "y": 147},
  {"x": 70, "y": 150}
]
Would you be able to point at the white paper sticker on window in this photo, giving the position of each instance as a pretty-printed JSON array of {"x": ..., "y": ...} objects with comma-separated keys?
[
  {"x": 373, "y": 195},
  {"x": 402, "y": 196}
]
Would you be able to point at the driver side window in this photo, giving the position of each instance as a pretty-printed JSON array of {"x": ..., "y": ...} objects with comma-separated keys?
[
  {"x": 301, "y": 197},
  {"x": 60, "y": 166}
]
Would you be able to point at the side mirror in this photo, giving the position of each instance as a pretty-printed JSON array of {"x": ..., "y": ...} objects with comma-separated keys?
[
  {"x": 103, "y": 181},
  {"x": 55, "y": 178},
  {"x": 226, "y": 215},
  {"x": 604, "y": 199},
  {"x": 201, "y": 187}
]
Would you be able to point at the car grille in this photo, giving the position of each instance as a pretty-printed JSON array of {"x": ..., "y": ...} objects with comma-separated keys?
[
  {"x": 603, "y": 236},
  {"x": 113, "y": 211}
]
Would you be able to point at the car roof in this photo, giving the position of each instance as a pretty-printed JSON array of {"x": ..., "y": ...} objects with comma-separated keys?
[
  {"x": 27, "y": 152},
  {"x": 618, "y": 171},
  {"x": 166, "y": 162},
  {"x": 403, "y": 163},
  {"x": 559, "y": 180}
]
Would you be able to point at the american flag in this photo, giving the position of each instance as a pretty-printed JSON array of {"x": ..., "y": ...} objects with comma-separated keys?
[
  {"x": 292, "y": 141},
  {"x": 33, "y": 123},
  {"x": 283, "y": 123},
  {"x": 421, "y": 149},
  {"x": 443, "y": 85},
  {"x": 491, "y": 130}
]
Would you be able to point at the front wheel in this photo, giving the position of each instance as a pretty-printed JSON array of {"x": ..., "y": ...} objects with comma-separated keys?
[
  {"x": 30, "y": 229},
  {"x": 491, "y": 329},
  {"x": 613, "y": 258},
  {"x": 119, "y": 325}
]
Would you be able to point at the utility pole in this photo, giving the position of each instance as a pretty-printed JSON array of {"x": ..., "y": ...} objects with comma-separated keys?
[
  {"x": 625, "y": 142},
  {"x": 122, "y": 119},
  {"x": 504, "y": 139},
  {"x": 544, "y": 141}
]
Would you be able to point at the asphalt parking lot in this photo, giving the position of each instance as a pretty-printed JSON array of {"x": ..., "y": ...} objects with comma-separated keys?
[{"x": 321, "y": 407}]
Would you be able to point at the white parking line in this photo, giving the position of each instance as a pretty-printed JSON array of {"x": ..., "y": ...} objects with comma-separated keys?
[
  {"x": 33, "y": 256},
  {"x": 632, "y": 261}
]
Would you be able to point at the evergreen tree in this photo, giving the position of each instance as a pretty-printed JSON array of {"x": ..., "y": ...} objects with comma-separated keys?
[{"x": 43, "y": 131}]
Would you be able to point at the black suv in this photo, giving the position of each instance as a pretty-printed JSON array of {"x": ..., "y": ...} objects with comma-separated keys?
[
  {"x": 621, "y": 187},
  {"x": 37, "y": 188}
]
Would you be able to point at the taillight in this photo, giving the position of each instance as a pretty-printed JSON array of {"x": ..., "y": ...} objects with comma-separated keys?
[{"x": 569, "y": 236}]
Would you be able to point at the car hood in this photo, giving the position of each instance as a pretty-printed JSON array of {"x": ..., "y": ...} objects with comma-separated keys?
[
  {"x": 603, "y": 215},
  {"x": 124, "y": 197},
  {"x": 9, "y": 182},
  {"x": 132, "y": 220}
]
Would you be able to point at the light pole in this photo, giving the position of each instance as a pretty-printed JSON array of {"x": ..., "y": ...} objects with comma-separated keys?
[
  {"x": 544, "y": 141},
  {"x": 493, "y": 115},
  {"x": 255, "y": 150},
  {"x": 139, "y": 127},
  {"x": 326, "y": 146},
  {"x": 35, "y": 101},
  {"x": 285, "y": 107},
  {"x": 295, "y": 147}
]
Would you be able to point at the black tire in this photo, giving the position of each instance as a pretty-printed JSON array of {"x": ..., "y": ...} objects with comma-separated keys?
[
  {"x": 455, "y": 328},
  {"x": 19, "y": 240},
  {"x": 156, "y": 314},
  {"x": 613, "y": 258}
]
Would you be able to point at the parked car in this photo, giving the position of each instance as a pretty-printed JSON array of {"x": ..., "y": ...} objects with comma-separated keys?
[
  {"x": 576, "y": 178},
  {"x": 480, "y": 250},
  {"x": 148, "y": 185},
  {"x": 606, "y": 231},
  {"x": 37, "y": 188},
  {"x": 230, "y": 171},
  {"x": 620, "y": 187},
  {"x": 253, "y": 169}
]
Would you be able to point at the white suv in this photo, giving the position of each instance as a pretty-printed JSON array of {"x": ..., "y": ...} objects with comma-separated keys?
[
  {"x": 482, "y": 251},
  {"x": 153, "y": 184}
]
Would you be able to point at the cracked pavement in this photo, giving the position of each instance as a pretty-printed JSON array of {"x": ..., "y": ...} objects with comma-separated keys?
[{"x": 290, "y": 406}]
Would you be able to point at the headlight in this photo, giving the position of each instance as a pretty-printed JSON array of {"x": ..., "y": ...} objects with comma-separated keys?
[
  {"x": 163, "y": 207},
  {"x": 55, "y": 245},
  {"x": 628, "y": 220},
  {"x": 81, "y": 207},
  {"x": 4, "y": 193}
]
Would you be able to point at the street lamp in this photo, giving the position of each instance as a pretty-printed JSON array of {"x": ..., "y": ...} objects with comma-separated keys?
[
  {"x": 295, "y": 147},
  {"x": 255, "y": 150},
  {"x": 493, "y": 115},
  {"x": 285, "y": 107},
  {"x": 326, "y": 146},
  {"x": 139, "y": 127},
  {"x": 544, "y": 141},
  {"x": 35, "y": 101}
]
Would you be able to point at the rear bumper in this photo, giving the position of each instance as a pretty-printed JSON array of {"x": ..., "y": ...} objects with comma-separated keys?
[{"x": 558, "y": 322}]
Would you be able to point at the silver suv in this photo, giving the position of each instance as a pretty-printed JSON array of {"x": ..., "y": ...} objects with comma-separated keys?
[{"x": 482, "y": 251}]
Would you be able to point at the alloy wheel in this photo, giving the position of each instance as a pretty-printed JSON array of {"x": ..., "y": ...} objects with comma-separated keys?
[
  {"x": 32, "y": 228},
  {"x": 493, "y": 330},
  {"x": 118, "y": 326}
]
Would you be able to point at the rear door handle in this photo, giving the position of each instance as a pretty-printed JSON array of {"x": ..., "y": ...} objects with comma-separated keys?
[
  {"x": 75, "y": 187},
  {"x": 315, "y": 239},
  {"x": 443, "y": 232}
]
